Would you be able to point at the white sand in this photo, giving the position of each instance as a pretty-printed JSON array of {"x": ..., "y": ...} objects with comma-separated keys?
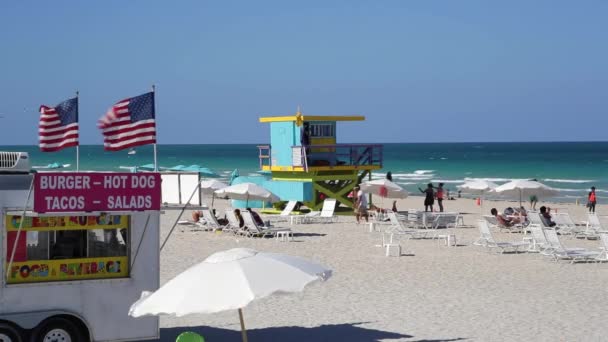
[{"x": 438, "y": 293}]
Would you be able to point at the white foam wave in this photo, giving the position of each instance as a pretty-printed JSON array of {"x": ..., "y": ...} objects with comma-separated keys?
[
  {"x": 569, "y": 190},
  {"x": 448, "y": 181},
  {"x": 422, "y": 172},
  {"x": 489, "y": 179},
  {"x": 412, "y": 176},
  {"x": 576, "y": 181}
]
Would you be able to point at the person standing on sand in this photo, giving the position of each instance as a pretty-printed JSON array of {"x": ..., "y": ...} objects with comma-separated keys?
[
  {"x": 439, "y": 196},
  {"x": 533, "y": 201},
  {"x": 360, "y": 204},
  {"x": 592, "y": 200},
  {"x": 429, "y": 197}
]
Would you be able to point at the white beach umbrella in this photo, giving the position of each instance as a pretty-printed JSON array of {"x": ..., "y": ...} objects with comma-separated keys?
[
  {"x": 478, "y": 187},
  {"x": 384, "y": 188},
  {"x": 210, "y": 186},
  {"x": 247, "y": 191},
  {"x": 229, "y": 280},
  {"x": 522, "y": 187}
]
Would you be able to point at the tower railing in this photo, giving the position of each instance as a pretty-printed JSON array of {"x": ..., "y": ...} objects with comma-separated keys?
[
  {"x": 264, "y": 154},
  {"x": 356, "y": 155}
]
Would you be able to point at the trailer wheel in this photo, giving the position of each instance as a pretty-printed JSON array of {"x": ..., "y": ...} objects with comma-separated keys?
[
  {"x": 8, "y": 333},
  {"x": 57, "y": 329}
]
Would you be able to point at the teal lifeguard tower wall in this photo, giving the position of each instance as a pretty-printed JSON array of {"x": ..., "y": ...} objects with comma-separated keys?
[{"x": 308, "y": 165}]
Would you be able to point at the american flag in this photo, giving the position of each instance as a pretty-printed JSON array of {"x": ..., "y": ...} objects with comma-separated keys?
[
  {"x": 129, "y": 123},
  {"x": 58, "y": 126}
]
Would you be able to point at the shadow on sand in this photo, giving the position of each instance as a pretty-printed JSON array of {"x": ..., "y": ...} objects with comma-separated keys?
[{"x": 350, "y": 332}]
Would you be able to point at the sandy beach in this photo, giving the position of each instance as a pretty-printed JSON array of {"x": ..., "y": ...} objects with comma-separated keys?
[{"x": 431, "y": 293}]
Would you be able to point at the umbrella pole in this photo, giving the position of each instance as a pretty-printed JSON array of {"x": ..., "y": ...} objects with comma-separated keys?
[
  {"x": 520, "y": 198},
  {"x": 243, "y": 330},
  {"x": 212, "y": 199}
]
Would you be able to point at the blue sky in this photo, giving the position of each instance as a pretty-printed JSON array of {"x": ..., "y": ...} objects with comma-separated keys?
[{"x": 420, "y": 71}]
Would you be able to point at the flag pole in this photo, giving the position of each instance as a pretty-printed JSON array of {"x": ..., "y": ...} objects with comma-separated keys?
[
  {"x": 78, "y": 146},
  {"x": 155, "y": 158}
]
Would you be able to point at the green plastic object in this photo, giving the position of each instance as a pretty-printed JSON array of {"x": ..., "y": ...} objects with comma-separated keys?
[{"x": 189, "y": 336}]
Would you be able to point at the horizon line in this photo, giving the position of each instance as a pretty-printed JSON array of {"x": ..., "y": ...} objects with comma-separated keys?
[{"x": 412, "y": 142}]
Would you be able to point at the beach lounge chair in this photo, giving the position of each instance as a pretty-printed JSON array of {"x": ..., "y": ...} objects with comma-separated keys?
[
  {"x": 233, "y": 223},
  {"x": 539, "y": 241},
  {"x": 603, "y": 256},
  {"x": 254, "y": 230},
  {"x": 487, "y": 240},
  {"x": 211, "y": 221},
  {"x": 559, "y": 252},
  {"x": 397, "y": 227},
  {"x": 592, "y": 227},
  {"x": 285, "y": 215},
  {"x": 565, "y": 224},
  {"x": 325, "y": 215}
]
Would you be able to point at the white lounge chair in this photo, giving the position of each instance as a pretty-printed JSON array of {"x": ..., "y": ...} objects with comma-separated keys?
[
  {"x": 603, "y": 256},
  {"x": 210, "y": 220},
  {"x": 539, "y": 241},
  {"x": 565, "y": 224},
  {"x": 285, "y": 215},
  {"x": 487, "y": 240},
  {"x": 325, "y": 215},
  {"x": 397, "y": 227},
  {"x": 253, "y": 229},
  {"x": 233, "y": 223},
  {"x": 593, "y": 226},
  {"x": 559, "y": 252}
]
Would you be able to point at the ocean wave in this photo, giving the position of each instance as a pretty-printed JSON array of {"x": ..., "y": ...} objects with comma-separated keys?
[
  {"x": 488, "y": 179},
  {"x": 422, "y": 172},
  {"x": 576, "y": 181},
  {"x": 569, "y": 190},
  {"x": 448, "y": 181},
  {"x": 412, "y": 176}
]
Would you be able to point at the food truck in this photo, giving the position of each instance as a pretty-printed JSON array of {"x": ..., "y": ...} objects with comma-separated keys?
[{"x": 78, "y": 248}]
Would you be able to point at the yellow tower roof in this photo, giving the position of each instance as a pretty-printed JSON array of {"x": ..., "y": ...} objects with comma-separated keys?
[{"x": 301, "y": 117}]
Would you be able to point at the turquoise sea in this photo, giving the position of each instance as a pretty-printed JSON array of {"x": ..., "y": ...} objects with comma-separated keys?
[{"x": 571, "y": 167}]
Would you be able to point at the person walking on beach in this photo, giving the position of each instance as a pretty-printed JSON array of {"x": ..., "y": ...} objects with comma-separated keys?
[
  {"x": 592, "y": 200},
  {"x": 533, "y": 201},
  {"x": 360, "y": 204},
  {"x": 439, "y": 196},
  {"x": 429, "y": 197}
]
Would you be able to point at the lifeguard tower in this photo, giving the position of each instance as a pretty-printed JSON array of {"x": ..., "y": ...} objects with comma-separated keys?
[{"x": 306, "y": 162}]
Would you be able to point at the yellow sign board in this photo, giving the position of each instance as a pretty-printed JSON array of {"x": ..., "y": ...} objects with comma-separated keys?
[
  {"x": 103, "y": 221},
  {"x": 68, "y": 269}
]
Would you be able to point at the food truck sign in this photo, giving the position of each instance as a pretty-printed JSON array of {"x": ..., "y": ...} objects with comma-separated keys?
[{"x": 96, "y": 191}]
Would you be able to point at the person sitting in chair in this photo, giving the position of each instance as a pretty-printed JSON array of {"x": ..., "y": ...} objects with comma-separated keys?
[
  {"x": 545, "y": 216},
  {"x": 502, "y": 221},
  {"x": 256, "y": 217}
]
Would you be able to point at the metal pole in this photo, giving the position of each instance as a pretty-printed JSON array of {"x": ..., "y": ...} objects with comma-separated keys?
[
  {"x": 78, "y": 146},
  {"x": 180, "y": 215},
  {"x": 10, "y": 262},
  {"x": 141, "y": 239},
  {"x": 155, "y": 158},
  {"x": 243, "y": 330}
]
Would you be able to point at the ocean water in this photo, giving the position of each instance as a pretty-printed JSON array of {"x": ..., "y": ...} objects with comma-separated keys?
[{"x": 571, "y": 167}]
